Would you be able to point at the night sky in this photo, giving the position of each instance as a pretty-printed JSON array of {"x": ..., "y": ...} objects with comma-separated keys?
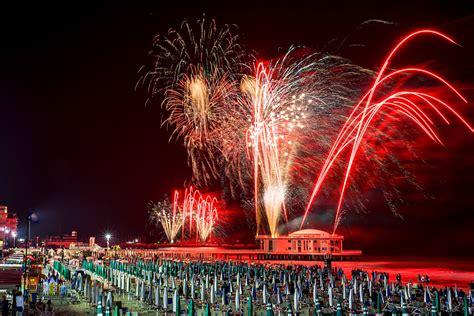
[{"x": 79, "y": 147}]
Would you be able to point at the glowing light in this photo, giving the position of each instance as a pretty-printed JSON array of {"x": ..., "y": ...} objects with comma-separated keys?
[{"x": 273, "y": 199}]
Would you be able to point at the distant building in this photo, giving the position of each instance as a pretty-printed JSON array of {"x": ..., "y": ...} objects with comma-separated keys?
[
  {"x": 63, "y": 241},
  {"x": 8, "y": 225},
  {"x": 8, "y": 221}
]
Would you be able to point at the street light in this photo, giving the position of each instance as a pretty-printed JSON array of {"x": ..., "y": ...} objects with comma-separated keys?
[
  {"x": 14, "y": 238},
  {"x": 107, "y": 237},
  {"x": 32, "y": 217},
  {"x": 7, "y": 231}
]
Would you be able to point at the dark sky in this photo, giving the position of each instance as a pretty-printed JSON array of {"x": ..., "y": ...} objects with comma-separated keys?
[{"x": 79, "y": 147}]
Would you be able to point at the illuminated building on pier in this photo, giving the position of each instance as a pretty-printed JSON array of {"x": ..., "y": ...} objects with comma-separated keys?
[{"x": 306, "y": 243}]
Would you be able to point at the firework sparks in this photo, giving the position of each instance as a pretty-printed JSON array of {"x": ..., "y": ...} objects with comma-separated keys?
[
  {"x": 199, "y": 210},
  {"x": 286, "y": 103},
  {"x": 197, "y": 68},
  {"x": 265, "y": 131},
  {"x": 168, "y": 216},
  {"x": 271, "y": 138},
  {"x": 407, "y": 102},
  {"x": 206, "y": 217}
]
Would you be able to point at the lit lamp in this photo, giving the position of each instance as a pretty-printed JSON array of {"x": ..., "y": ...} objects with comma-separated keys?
[
  {"x": 107, "y": 237},
  {"x": 32, "y": 217},
  {"x": 7, "y": 231},
  {"x": 14, "y": 238}
]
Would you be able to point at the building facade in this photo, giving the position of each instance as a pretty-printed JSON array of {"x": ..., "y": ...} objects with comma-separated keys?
[
  {"x": 63, "y": 241},
  {"x": 8, "y": 221},
  {"x": 8, "y": 226},
  {"x": 306, "y": 241}
]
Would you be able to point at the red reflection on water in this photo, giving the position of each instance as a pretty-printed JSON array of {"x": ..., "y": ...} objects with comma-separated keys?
[{"x": 441, "y": 272}]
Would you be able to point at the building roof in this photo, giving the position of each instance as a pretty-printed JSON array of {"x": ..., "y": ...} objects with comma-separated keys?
[
  {"x": 304, "y": 234},
  {"x": 311, "y": 233}
]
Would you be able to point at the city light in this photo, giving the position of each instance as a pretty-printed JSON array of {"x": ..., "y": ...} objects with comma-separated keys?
[
  {"x": 107, "y": 237},
  {"x": 14, "y": 238}
]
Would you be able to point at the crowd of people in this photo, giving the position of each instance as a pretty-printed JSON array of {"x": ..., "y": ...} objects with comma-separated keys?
[{"x": 19, "y": 306}]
